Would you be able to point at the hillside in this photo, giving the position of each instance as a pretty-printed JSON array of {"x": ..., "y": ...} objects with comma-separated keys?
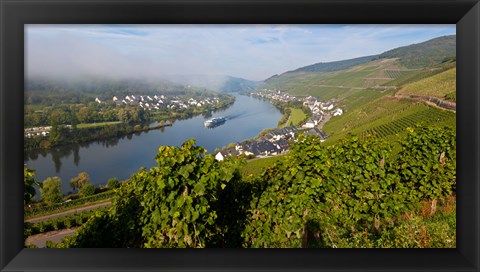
[
  {"x": 438, "y": 85},
  {"x": 335, "y": 65},
  {"x": 338, "y": 84},
  {"x": 424, "y": 54},
  {"x": 391, "y": 68},
  {"x": 236, "y": 84},
  {"x": 381, "y": 95}
]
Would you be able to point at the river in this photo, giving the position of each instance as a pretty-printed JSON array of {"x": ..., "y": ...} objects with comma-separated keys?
[{"x": 121, "y": 157}]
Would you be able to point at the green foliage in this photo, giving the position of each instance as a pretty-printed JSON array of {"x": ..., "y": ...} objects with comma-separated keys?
[
  {"x": 346, "y": 194},
  {"x": 51, "y": 190},
  {"x": 185, "y": 201},
  {"x": 113, "y": 183},
  {"x": 59, "y": 207},
  {"x": 349, "y": 194},
  {"x": 29, "y": 182},
  {"x": 87, "y": 190},
  {"x": 59, "y": 223},
  {"x": 79, "y": 181},
  {"x": 336, "y": 190},
  {"x": 427, "y": 162}
]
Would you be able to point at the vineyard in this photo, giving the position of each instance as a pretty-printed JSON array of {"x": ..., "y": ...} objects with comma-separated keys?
[
  {"x": 64, "y": 222},
  {"x": 420, "y": 74},
  {"x": 60, "y": 207},
  {"x": 398, "y": 73},
  {"x": 427, "y": 116},
  {"x": 349, "y": 194},
  {"x": 438, "y": 85}
]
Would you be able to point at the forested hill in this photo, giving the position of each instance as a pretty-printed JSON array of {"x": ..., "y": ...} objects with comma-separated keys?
[
  {"x": 334, "y": 65},
  {"x": 236, "y": 84},
  {"x": 413, "y": 56},
  {"x": 103, "y": 85},
  {"x": 424, "y": 54}
]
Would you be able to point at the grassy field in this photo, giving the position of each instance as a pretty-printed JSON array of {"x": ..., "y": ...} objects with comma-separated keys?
[
  {"x": 296, "y": 116},
  {"x": 438, "y": 85},
  {"x": 97, "y": 124},
  {"x": 256, "y": 166}
]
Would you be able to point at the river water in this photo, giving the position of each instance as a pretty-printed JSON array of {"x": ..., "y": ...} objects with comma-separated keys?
[{"x": 121, "y": 157}]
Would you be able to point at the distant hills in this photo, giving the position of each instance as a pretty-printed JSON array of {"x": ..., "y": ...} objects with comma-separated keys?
[
  {"x": 383, "y": 94},
  {"x": 338, "y": 79},
  {"x": 424, "y": 54},
  {"x": 334, "y": 65},
  {"x": 215, "y": 82},
  {"x": 412, "y": 56},
  {"x": 171, "y": 84}
]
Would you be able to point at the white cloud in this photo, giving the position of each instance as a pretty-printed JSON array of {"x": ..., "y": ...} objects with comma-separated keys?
[{"x": 249, "y": 51}]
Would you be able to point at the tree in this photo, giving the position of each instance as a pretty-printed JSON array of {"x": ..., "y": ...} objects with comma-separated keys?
[
  {"x": 51, "y": 190},
  {"x": 83, "y": 115},
  {"x": 188, "y": 200},
  {"x": 29, "y": 182},
  {"x": 78, "y": 182},
  {"x": 113, "y": 183},
  {"x": 87, "y": 190}
]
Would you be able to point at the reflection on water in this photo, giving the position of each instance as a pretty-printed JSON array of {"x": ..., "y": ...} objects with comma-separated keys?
[{"x": 122, "y": 156}]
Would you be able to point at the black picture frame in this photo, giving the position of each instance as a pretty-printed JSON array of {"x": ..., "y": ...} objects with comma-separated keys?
[{"x": 15, "y": 13}]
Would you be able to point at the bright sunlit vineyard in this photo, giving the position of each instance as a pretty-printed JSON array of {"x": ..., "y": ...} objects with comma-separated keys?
[{"x": 427, "y": 116}]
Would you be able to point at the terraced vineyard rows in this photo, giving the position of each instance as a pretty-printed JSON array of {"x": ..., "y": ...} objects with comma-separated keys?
[
  {"x": 397, "y": 73},
  {"x": 426, "y": 117}
]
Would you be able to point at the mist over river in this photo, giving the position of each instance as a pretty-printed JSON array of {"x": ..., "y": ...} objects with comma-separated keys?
[{"x": 121, "y": 157}]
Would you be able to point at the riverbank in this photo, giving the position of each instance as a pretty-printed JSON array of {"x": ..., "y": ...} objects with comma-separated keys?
[
  {"x": 123, "y": 155},
  {"x": 85, "y": 133}
]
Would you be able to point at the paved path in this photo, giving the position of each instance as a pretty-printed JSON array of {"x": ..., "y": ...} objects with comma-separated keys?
[
  {"x": 40, "y": 240},
  {"x": 86, "y": 208}
]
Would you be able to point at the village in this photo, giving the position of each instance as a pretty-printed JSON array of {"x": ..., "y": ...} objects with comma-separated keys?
[
  {"x": 272, "y": 143},
  {"x": 146, "y": 102},
  {"x": 156, "y": 102},
  {"x": 277, "y": 141}
]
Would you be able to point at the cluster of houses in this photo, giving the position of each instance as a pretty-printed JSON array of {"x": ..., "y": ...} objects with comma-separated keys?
[
  {"x": 318, "y": 108},
  {"x": 155, "y": 102},
  {"x": 39, "y": 131},
  {"x": 36, "y": 131},
  {"x": 278, "y": 141},
  {"x": 275, "y": 142},
  {"x": 275, "y": 95}
]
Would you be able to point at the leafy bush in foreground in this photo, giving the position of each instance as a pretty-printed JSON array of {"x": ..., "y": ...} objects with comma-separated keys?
[{"x": 350, "y": 194}]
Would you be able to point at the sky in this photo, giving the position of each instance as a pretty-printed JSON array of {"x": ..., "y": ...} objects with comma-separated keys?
[{"x": 253, "y": 52}]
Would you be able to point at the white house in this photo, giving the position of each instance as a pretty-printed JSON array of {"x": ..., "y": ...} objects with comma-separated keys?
[
  {"x": 97, "y": 100},
  {"x": 337, "y": 112},
  {"x": 219, "y": 157},
  {"x": 310, "y": 124},
  {"x": 115, "y": 98}
]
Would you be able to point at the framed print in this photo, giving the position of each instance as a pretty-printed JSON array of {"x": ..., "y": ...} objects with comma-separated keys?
[{"x": 269, "y": 135}]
